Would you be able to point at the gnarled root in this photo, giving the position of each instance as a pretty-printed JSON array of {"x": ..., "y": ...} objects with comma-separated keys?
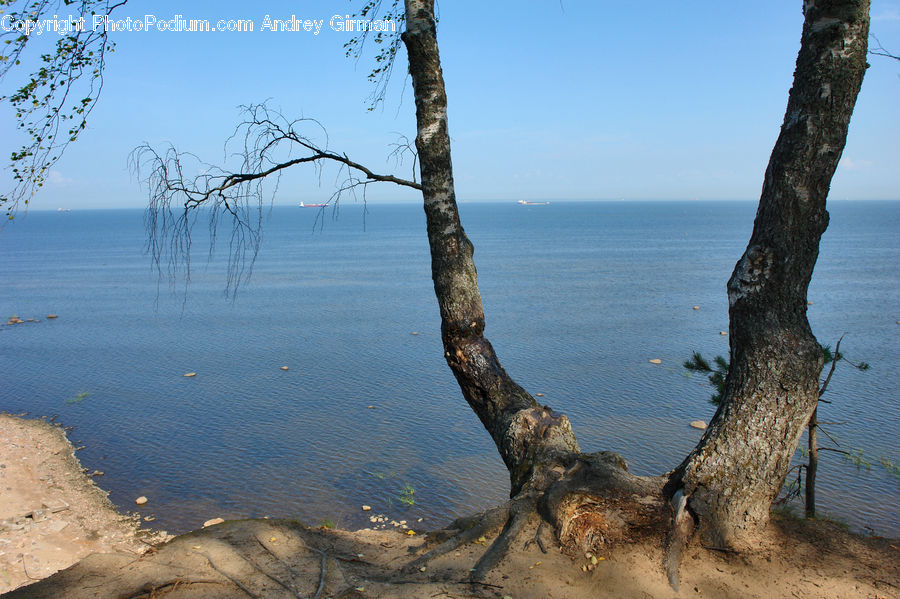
[{"x": 594, "y": 504}]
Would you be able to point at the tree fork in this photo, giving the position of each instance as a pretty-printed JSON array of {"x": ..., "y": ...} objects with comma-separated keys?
[{"x": 590, "y": 499}]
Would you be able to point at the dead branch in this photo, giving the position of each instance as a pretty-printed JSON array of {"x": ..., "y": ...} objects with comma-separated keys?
[{"x": 267, "y": 144}]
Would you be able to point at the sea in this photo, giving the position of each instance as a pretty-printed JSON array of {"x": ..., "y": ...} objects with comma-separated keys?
[{"x": 579, "y": 298}]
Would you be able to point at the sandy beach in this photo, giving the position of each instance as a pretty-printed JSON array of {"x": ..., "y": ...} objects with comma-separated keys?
[{"x": 61, "y": 537}]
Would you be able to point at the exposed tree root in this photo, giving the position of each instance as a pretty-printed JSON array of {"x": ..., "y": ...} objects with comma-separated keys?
[
  {"x": 150, "y": 591},
  {"x": 521, "y": 509},
  {"x": 462, "y": 531},
  {"x": 593, "y": 503}
]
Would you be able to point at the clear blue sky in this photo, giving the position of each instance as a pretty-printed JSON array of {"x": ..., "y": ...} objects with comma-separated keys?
[{"x": 568, "y": 99}]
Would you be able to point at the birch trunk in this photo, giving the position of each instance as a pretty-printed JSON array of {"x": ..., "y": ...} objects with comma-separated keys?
[
  {"x": 525, "y": 433},
  {"x": 739, "y": 466}
]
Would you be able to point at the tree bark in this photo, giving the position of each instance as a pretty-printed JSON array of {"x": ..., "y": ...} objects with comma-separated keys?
[
  {"x": 739, "y": 466},
  {"x": 525, "y": 433}
]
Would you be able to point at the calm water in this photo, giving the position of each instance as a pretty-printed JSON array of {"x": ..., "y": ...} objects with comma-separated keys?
[{"x": 578, "y": 296}]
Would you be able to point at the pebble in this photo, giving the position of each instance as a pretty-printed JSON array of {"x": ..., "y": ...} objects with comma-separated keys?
[
  {"x": 366, "y": 508},
  {"x": 141, "y": 500},
  {"x": 190, "y": 374},
  {"x": 698, "y": 424},
  {"x": 213, "y": 522},
  {"x": 656, "y": 361}
]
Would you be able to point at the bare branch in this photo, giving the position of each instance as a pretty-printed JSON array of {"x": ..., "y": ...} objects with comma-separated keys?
[
  {"x": 179, "y": 185},
  {"x": 837, "y": 353},
  {"x": 880, "y": 50}
]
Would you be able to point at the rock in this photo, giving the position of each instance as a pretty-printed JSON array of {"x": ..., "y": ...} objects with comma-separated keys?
[
  {"x": 213, "y": 522},
  {"x": 366, "y": 508},
  {"x": 696, "y": 307},
  {"x": 285, "y": 368},
  {"x": 141, "y": 500},
  {"x": 656, "y": 361},
  {"x": 698, "y": 424},
  {"x": 190, "y": 374}
]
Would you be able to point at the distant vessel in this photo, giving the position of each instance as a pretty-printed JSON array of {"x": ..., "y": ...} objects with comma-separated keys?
[
  {"x": 302, "y": 205},
  {"x": 527, "y": 203},
  {"x": 64, "y": 210}
]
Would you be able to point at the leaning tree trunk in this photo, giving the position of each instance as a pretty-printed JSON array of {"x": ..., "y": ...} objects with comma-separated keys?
[
  {"x": 581, "y": 495},
  {"x": 520, "y": 427},
  {"x": 739, "y": 466}
]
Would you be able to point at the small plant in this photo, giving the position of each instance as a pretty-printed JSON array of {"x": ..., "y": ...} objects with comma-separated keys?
[
  {"x": 716, "y": 375},
  {"x": 408, "y": 495},
  {"x": 78, "y": 398},
  {"x": 326, "y": 523}
]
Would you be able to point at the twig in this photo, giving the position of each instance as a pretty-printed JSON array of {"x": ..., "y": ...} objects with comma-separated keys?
[
  {"x": 24, "y": 567},
  {"x": 834, "y": 361}
]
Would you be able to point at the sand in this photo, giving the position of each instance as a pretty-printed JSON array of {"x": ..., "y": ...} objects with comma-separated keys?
[{"x": 110, "y": 557}]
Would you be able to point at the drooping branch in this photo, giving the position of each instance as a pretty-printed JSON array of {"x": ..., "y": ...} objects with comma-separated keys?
[
  {"x": 53, "y": 105},
  {"x": 387, "y": 42},
  {"x": 267, "y": 144}
]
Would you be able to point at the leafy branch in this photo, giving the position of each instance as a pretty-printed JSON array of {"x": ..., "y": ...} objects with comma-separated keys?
[{"x": 53, "y": 105}]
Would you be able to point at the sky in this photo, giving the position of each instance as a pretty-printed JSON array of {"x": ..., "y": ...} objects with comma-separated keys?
[{"x": 549, "y": 99}]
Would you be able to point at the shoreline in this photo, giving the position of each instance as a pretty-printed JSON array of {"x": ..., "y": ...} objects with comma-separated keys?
[
  {"x": 60, "y": 536},
  {"x": 52, "y": 514}
]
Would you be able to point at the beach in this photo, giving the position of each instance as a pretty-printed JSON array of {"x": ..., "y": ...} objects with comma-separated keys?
[{"x": 54, "y": 517}]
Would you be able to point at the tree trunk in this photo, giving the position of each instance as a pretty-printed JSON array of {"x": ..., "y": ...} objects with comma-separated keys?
[
  {"x": 525, "y": 433},
  {"x": 739, "y": 466},
  {"x": 591, "y": 500}
]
